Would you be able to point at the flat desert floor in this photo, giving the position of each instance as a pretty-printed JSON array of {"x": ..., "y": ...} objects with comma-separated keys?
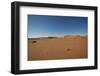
[{"x": 67, "y": 47}]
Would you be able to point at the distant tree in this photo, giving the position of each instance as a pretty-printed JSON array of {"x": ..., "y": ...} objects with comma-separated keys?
[{"x": 51, "y": 37}]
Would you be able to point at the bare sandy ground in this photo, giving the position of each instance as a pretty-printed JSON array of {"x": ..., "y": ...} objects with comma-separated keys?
[{"x": 68, "y": 47}]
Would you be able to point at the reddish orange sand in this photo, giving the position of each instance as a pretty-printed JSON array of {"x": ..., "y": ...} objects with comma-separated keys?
[{"x": 68, "y": 47}]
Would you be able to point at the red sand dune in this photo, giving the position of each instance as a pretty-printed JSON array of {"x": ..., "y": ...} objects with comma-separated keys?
[{"x": 67, "y": 47}]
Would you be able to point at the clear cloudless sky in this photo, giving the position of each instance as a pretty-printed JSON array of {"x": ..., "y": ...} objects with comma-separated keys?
[{"x": 44, "y": 26}]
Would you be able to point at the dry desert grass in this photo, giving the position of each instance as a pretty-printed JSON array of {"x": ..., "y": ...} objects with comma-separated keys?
[{"x": 67, "y": 47}]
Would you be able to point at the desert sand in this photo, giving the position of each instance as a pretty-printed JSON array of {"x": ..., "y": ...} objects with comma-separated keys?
[{"x": 67, "y": 47}]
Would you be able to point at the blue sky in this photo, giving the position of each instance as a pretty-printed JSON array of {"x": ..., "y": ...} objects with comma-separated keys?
[{"x": 44, "y": 26}]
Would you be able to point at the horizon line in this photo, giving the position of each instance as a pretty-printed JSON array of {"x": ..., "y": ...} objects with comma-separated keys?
[{"x": 56, "y": 36}]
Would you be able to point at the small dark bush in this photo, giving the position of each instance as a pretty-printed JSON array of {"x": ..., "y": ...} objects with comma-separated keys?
[
  {"x": 69, "y": 49},
  {"x": 34, "y": 41}
]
